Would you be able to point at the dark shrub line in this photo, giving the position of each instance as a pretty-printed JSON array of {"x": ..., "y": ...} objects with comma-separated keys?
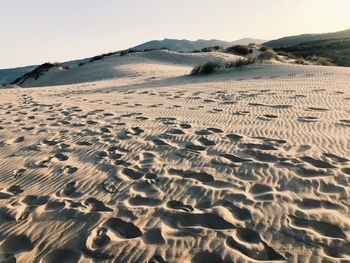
[
  {"x": 211, "y": 66},
  {"x": 212, "y": 49},
  {"x": 239, "y": 49},
  {"x": 38, "y": 72},
  {"x": 206, "y": 68}
]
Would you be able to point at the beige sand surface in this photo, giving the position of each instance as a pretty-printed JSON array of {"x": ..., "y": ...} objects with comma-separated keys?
[{"x": 246, "y": 165}]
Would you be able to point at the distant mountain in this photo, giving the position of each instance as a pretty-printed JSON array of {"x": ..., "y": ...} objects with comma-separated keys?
[
  {"x": 188, "y": 45},
  {"x": 295, "y": 40},
  {"x": 246, "y": 41}
]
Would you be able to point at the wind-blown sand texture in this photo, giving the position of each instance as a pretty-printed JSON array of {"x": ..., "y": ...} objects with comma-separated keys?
[{"x": 248, "y": 165}]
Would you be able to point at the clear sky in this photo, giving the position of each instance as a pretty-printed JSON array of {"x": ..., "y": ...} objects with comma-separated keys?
[{"x": 37, "y": 31}]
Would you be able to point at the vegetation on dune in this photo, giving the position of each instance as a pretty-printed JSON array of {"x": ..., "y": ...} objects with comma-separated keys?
[
  {"x": 321, "y": 61},
  {"x": 267, "y": 54},
  {"x": 212, "y": 49},
  {"x": 121, "y": 53},
  {"x": 296, "y": 40},
  {"x": 99, "y": 57},
  {"x": 239, "y": 49},
  {"x": 322, "y": 52},
  {"x": 206, "y": 68},
  {"x": 38, "y": 72},
  {"x": 128, "y": 51},
  {"x": 154, "y": 49},
  {"x": 210, "y": 67},
  {"x": 300, "y": 61}
]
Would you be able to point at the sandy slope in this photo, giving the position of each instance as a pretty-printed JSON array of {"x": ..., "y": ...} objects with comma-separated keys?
[
  {"x": 248, "y": 165},
  {"x": 143, "y": 65}
]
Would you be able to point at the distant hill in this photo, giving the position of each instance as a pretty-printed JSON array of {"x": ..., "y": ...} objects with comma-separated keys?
[
  {"x": 295, "y": 40},
  {"x": 188, "y": 45},
  {"x": 337, "y": 50}
]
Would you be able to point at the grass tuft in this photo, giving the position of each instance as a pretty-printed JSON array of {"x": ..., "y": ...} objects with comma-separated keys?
[{"x": 206, "y": 68}]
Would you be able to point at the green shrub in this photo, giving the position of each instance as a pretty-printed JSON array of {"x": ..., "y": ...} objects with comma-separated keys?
[
  {"x": 210, "y": 67},
  {"x": 300, "y": 61},
  {"x": 99, "y": 57},
  {"x": 205, "y": 69},
  {"x": 211, "y": 49},
  {"x": 321, "y": 61},
  {"x": 268, "y": 54},
  {"x": 127, "y": 51},
  {"x": 238, "y": 49},
  {"x": 287, "y": 55}
]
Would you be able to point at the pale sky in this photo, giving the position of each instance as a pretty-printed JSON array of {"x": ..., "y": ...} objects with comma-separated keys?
[{"x": 38, "y": 31}]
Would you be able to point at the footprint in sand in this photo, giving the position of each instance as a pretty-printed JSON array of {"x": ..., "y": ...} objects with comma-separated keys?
[
  {"x": 123, "y": 229},
  {"x": 207, "y": 257},
  {"x": 70, "y": 169},
  {"x": 345, "y": 123},
  {"x": 249, "y": 243},
  {"x": 240, "y": 113},
  {"x": 177, "y": 205},
  {"x": 153, "y": 237},
  {"x": 267, "y": 117},
  {"x": 307, "y": 119},
  {"x": 62, "y": 255},
  {"x": 95, "y": 205},
  {"x": 185, "y": 126},
  {"x": 15, "y": 189},
  {"x": 323, "y": 228},
  {"x": 19, "y": 172},
  {"x": 195, "y": 147},
  {"x": 19, "y": 139},
  {"x": 206, "y": 142},
  {"x": 317, "y": 109},
  {"x": 16, "y": 244},
  {"x": 60, "y": 157},
  {"x": 100, "y": 238}
]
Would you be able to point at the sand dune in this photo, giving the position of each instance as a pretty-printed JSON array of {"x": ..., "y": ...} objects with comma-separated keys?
[
  {"x": 140, "y": 65},
  {"x": 247, "y": 165}
]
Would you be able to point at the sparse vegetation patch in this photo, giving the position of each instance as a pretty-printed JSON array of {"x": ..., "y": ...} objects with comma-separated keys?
[
  {"x": 267, "y": 54},
  {"x": 212, "y": 49},
  {"x": 240, "y": 63},
  {"x": 206, "y": 68},
  {"x": 210, "y": 67},
  {"x": 38, "y": 72},
  {"x": 239, "y": 50}
]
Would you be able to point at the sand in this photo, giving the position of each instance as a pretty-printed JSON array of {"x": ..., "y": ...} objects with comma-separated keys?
[{"x": 245, "y": 165}]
